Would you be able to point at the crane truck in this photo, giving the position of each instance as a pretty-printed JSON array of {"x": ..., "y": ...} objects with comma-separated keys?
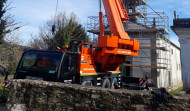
[{"x": 86, "y": 65}]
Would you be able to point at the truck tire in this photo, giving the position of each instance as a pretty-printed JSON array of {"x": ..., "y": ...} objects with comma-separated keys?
[
  {"x": 114, "y": 83},
  {"x": 106, "y": 83},
  {"x": 87, "y": 83}
]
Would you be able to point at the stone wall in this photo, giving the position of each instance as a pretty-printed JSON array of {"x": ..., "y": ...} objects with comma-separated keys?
[{"x": 26, "y": 95}]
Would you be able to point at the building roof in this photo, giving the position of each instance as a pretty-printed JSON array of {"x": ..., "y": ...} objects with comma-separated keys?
[
  {"x": 169, "y": 41},
  {"x": 181, "y": 23}
]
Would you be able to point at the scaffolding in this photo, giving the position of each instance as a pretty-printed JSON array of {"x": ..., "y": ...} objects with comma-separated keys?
[{"x": 153, "y": 19}]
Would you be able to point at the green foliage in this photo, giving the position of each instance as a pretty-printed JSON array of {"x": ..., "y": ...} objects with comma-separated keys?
[
  {"x": 2, "y": 21},
  {"x": 67, "y": 29},
  {"x": 11, "y": 68},
  {"x": 6, "y": 93},
  {"x": 177, "y": 90},
  {"x": 8, "y": 24}
]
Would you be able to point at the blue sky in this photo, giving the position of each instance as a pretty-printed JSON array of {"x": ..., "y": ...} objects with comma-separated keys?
[
  {"x": 181, "y": 6},
  {"x": 35, "y": 13}
]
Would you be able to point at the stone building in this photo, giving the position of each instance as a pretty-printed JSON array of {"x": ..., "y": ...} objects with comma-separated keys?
[
  {"x": 182, "y": 28},
  {"x": 159, "y": 58}
]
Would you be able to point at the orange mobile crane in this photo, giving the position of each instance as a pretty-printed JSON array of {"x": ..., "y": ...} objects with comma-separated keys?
[
  {"x": 85, "y": 65},
  {"x": 113, "y": 48}
]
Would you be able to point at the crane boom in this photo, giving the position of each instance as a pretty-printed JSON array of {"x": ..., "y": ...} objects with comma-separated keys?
[{"x": 116, "y": 15}]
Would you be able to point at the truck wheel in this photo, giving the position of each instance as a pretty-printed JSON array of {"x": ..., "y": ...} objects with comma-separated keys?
[
  {"x": 114, "y": 83},
  {"x": 86, "y": 83},
  {"x": 106, "y": 83}
]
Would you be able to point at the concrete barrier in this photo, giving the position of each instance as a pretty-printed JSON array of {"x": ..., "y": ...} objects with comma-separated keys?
[{"x": 26, "y": 95}]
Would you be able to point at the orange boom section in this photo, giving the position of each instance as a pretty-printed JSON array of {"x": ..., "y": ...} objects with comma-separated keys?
[
  {"x": 116, "y": 16},
  {"x": 113, "y": 48}
]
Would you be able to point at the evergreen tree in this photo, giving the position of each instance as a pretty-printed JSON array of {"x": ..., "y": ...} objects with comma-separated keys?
[
  {"x": 7, "y": 24},
  {"x": 2, "y": 21}
]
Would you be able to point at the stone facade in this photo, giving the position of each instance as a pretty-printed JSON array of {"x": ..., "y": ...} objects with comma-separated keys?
[
  {"x": 156, "y": 51},
  {"x": 182, "y": 29},
  {"x": 26, "y": 95}
]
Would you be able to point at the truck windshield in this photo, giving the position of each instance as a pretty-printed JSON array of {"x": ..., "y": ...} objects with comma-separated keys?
[{"x": 47, "y": 62}]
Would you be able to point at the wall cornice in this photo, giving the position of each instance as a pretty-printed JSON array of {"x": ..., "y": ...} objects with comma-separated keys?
[
  {"x": 183, "y": 40},
  {"x": 182, "y": 31},
  {"x": 183, "y": 34}
]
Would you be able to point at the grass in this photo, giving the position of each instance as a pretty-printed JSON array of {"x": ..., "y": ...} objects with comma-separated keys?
[
  {"x": 177, "y": 90},
  {"x": 6, "y": 93}
]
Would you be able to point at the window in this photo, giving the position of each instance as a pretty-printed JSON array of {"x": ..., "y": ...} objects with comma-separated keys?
[
  {"x": 40, "y": 61},
  {"x": 29, "y": 60},
  {"x": 130, "y": 10},
  {"x": 87, "y": 46},
  {"x": 158, "y": 55},
  {"x": 172, "y": 51}
]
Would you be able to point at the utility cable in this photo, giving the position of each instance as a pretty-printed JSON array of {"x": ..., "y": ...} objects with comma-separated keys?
[
  {"x": 53, "y": 27},
  {"x": 56, "y": 8}
]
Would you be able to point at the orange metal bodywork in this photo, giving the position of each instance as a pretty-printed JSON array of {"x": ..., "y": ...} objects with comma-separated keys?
[
  {"x": 116, "y": 15},
  {"x": 107, "y": 41},
  {"x": 112, "y": 49},
  {"x": 86, "y": 63}
]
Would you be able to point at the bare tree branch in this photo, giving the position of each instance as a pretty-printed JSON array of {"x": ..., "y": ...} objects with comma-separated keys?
[{"x": 67, "y": 28}]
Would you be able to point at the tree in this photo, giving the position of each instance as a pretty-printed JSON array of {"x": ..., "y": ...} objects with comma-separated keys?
[
  {"x": 7, "y": 22},
  {"x": 9, "y": 37},
  {"x": 65, "y": 29},
  {"x": 11, "y": 68},
  {"x": 2, "y": 21}
]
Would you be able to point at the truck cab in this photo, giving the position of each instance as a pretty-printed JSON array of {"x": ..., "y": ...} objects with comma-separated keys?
[
  {"x": 47, "y": 65},
  {"x": 75, "y": 67}
]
